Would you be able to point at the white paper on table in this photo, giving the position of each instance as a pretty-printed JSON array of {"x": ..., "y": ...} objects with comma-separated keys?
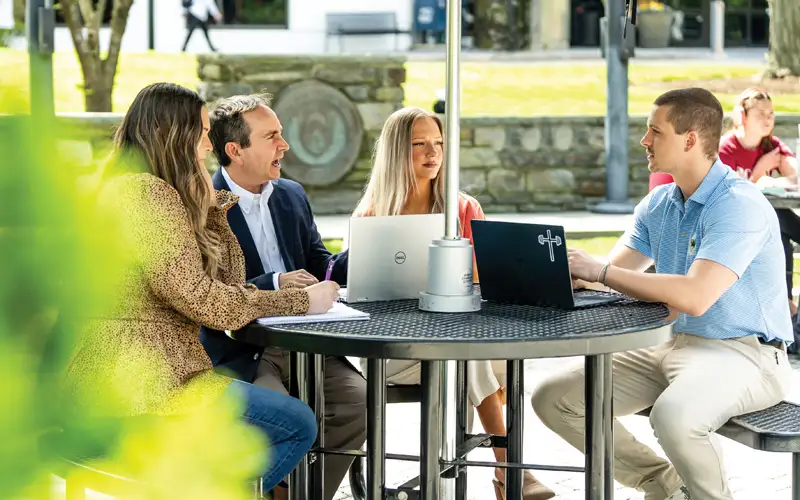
[{"x": 339, "y": 312}]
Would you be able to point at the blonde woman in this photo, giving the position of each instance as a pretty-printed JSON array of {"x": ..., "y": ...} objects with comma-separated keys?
[
  {"x": 187, "y": 270},
  {"x": 407, "y": 178}
]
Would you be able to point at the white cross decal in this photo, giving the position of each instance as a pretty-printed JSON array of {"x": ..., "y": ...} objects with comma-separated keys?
[{"x": 549, "y": 241}]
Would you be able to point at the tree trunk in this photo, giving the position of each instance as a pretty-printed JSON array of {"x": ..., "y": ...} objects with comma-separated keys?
[
  {"x": 84, "y": 22},
  {"x": 784, "y": 36},
  {"x": 97, "y": 94},
  {"x": 19, "y": 11}
]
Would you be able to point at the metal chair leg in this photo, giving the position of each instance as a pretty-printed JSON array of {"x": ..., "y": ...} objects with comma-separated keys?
[
  {"x": 358, "y": 485},
  {"x": 258, "y": 490}
]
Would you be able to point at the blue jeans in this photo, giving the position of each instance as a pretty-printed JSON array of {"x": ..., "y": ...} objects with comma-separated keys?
[{"x": 289, "y": 424}]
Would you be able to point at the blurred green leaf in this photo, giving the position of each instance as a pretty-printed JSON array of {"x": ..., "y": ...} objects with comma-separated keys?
[{"x": 61, "y": 261}]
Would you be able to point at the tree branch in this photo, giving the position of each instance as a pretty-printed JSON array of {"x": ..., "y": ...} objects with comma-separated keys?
[
  {"x": 85, "y": 23},
  {"x": 87, "y": 11},
  {"x": 72, "y": 17},
  {"x": 100, "y": 12},
  {"x": 92, "y": 25},
  {"x": 119, "y": 21},
  {"x": 784, "y": 36}
]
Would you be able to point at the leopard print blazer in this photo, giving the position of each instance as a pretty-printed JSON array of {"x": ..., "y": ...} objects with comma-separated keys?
[{"x": 145, "y": 352}]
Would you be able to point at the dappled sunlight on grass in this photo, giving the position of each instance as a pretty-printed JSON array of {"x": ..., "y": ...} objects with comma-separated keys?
[
  {"x": 595, "y": 246},
  {"x": 135, "y": 71},
  {"x": 563, "y": 89},
  {"x": 499, "y": 89}
]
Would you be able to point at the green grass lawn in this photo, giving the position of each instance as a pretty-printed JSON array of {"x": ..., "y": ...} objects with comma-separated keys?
[
  {"x": 487, "y": 89},
  {"x": 594, "y": 246},
  {"x": 599, "y": 247}
]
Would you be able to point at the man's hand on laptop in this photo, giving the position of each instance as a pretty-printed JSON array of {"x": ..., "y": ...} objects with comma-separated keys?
[
  {"x": 300, "y": 279},
  {"x": 321, "y": 296},
  {"x": 582, "y": 267}
]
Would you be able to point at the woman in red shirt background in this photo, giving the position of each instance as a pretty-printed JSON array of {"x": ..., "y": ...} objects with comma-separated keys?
[{"x": 755, "y": 154}]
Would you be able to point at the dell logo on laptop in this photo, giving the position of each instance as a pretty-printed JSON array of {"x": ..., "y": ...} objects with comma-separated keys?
[
  {"x": 399, "y": 257},
  {"x": 549, "y": 241}
]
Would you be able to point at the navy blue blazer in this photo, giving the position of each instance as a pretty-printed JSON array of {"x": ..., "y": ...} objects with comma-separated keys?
[{"x": 301, "y": 247}]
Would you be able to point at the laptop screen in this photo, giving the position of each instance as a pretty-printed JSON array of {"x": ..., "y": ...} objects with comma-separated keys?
[
  {"x": 522, "y": 263},
  {"x": 388, "y": 256}
]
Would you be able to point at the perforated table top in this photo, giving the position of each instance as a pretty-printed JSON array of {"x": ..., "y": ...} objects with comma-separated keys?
[{"x": 400, "y": 330}]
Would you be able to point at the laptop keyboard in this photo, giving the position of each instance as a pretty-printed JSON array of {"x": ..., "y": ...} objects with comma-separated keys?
[{"x": 589, "y": 298}]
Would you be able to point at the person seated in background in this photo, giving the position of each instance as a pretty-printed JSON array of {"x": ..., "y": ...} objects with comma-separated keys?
[
  {"x": 755, "y": 154},
  {"x": 275, "y": 228},
  {"x": 659, "y": 178},
  {"x": 407, "y": 178},
  {"x": 715, "y": 242},
  {"x": 186, "y": 271}
]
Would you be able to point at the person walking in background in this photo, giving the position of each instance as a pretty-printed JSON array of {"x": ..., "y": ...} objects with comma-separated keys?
[{"x": 197, "y": 14}]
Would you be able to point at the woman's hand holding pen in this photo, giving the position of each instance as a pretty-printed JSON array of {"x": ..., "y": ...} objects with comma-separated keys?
[{"x": 321, "y": 296}]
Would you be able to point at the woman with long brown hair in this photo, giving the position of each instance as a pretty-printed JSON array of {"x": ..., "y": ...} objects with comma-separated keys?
[{"x": 186, "y": 270}]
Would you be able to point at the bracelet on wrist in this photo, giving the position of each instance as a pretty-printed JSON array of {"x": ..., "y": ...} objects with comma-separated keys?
[{"x": 601, "y": 276}]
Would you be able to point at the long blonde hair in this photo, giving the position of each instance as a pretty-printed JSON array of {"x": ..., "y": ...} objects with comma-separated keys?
[
  {"x": 392, "y": 177},
  {"x": 159, "y": 135}
]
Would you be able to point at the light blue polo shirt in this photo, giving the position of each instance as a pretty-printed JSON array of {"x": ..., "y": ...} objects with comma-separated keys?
[{"x": 728, "y": 221}]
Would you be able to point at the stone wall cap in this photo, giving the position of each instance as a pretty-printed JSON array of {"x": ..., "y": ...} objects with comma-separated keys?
[{"x": 309, "y": 58}]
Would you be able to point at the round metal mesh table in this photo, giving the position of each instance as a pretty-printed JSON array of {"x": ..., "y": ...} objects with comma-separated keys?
[{"x": 399, "y": 330}]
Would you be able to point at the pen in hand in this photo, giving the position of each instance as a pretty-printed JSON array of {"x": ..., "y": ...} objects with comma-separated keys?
[{"x": 329, "y": 270}]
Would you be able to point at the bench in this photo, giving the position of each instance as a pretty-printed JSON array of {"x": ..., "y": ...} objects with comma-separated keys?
[
  {"x": 775, "y": 429},
  {"x": 82, "y": 472},
  {"x": 362, "y": 24}
]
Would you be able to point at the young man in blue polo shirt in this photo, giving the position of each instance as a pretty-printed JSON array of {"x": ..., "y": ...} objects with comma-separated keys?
[{"x": 716, "y": 245}]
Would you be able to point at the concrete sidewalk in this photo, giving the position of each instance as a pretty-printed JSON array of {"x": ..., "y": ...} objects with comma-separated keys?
[
  {"x": 576, "y": 224},
  {"x": 753, "y": 475}
]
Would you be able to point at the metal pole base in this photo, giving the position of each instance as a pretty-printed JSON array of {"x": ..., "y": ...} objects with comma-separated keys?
[
  {"x": 450, "y": 303},
  {"x": 450, "y": 280},
  {"x": 612, "y": 207}
]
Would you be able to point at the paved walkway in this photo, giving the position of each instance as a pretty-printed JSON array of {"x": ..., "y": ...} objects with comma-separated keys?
[{"x": 754, "y": 475}]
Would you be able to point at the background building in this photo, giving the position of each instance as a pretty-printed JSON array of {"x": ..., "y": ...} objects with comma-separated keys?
[
  {"x": 746, "y": 22},
  {"x": 304, "y": 26}
]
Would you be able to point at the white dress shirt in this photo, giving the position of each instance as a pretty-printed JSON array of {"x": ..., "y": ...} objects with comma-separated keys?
[
  {"x": 202, "y": 8},
  {"x": 256, "y": 213}
]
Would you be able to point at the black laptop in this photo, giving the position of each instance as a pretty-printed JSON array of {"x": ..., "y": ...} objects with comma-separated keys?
[{"x": 527, "y": 264}]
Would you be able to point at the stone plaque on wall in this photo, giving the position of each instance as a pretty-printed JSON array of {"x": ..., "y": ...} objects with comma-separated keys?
[{"x": 324, "y": 131}]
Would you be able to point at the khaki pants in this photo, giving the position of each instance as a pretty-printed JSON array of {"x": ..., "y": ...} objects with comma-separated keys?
[
  {"x": 482, "y": 379},
  {"x": 345, "y": 408},
  {"x": 694, "y": 386},
  {"x": 482, "y": 382}
]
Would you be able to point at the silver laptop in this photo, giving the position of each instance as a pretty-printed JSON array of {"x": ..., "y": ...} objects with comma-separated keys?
[{"x": 389, "y": 256}]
